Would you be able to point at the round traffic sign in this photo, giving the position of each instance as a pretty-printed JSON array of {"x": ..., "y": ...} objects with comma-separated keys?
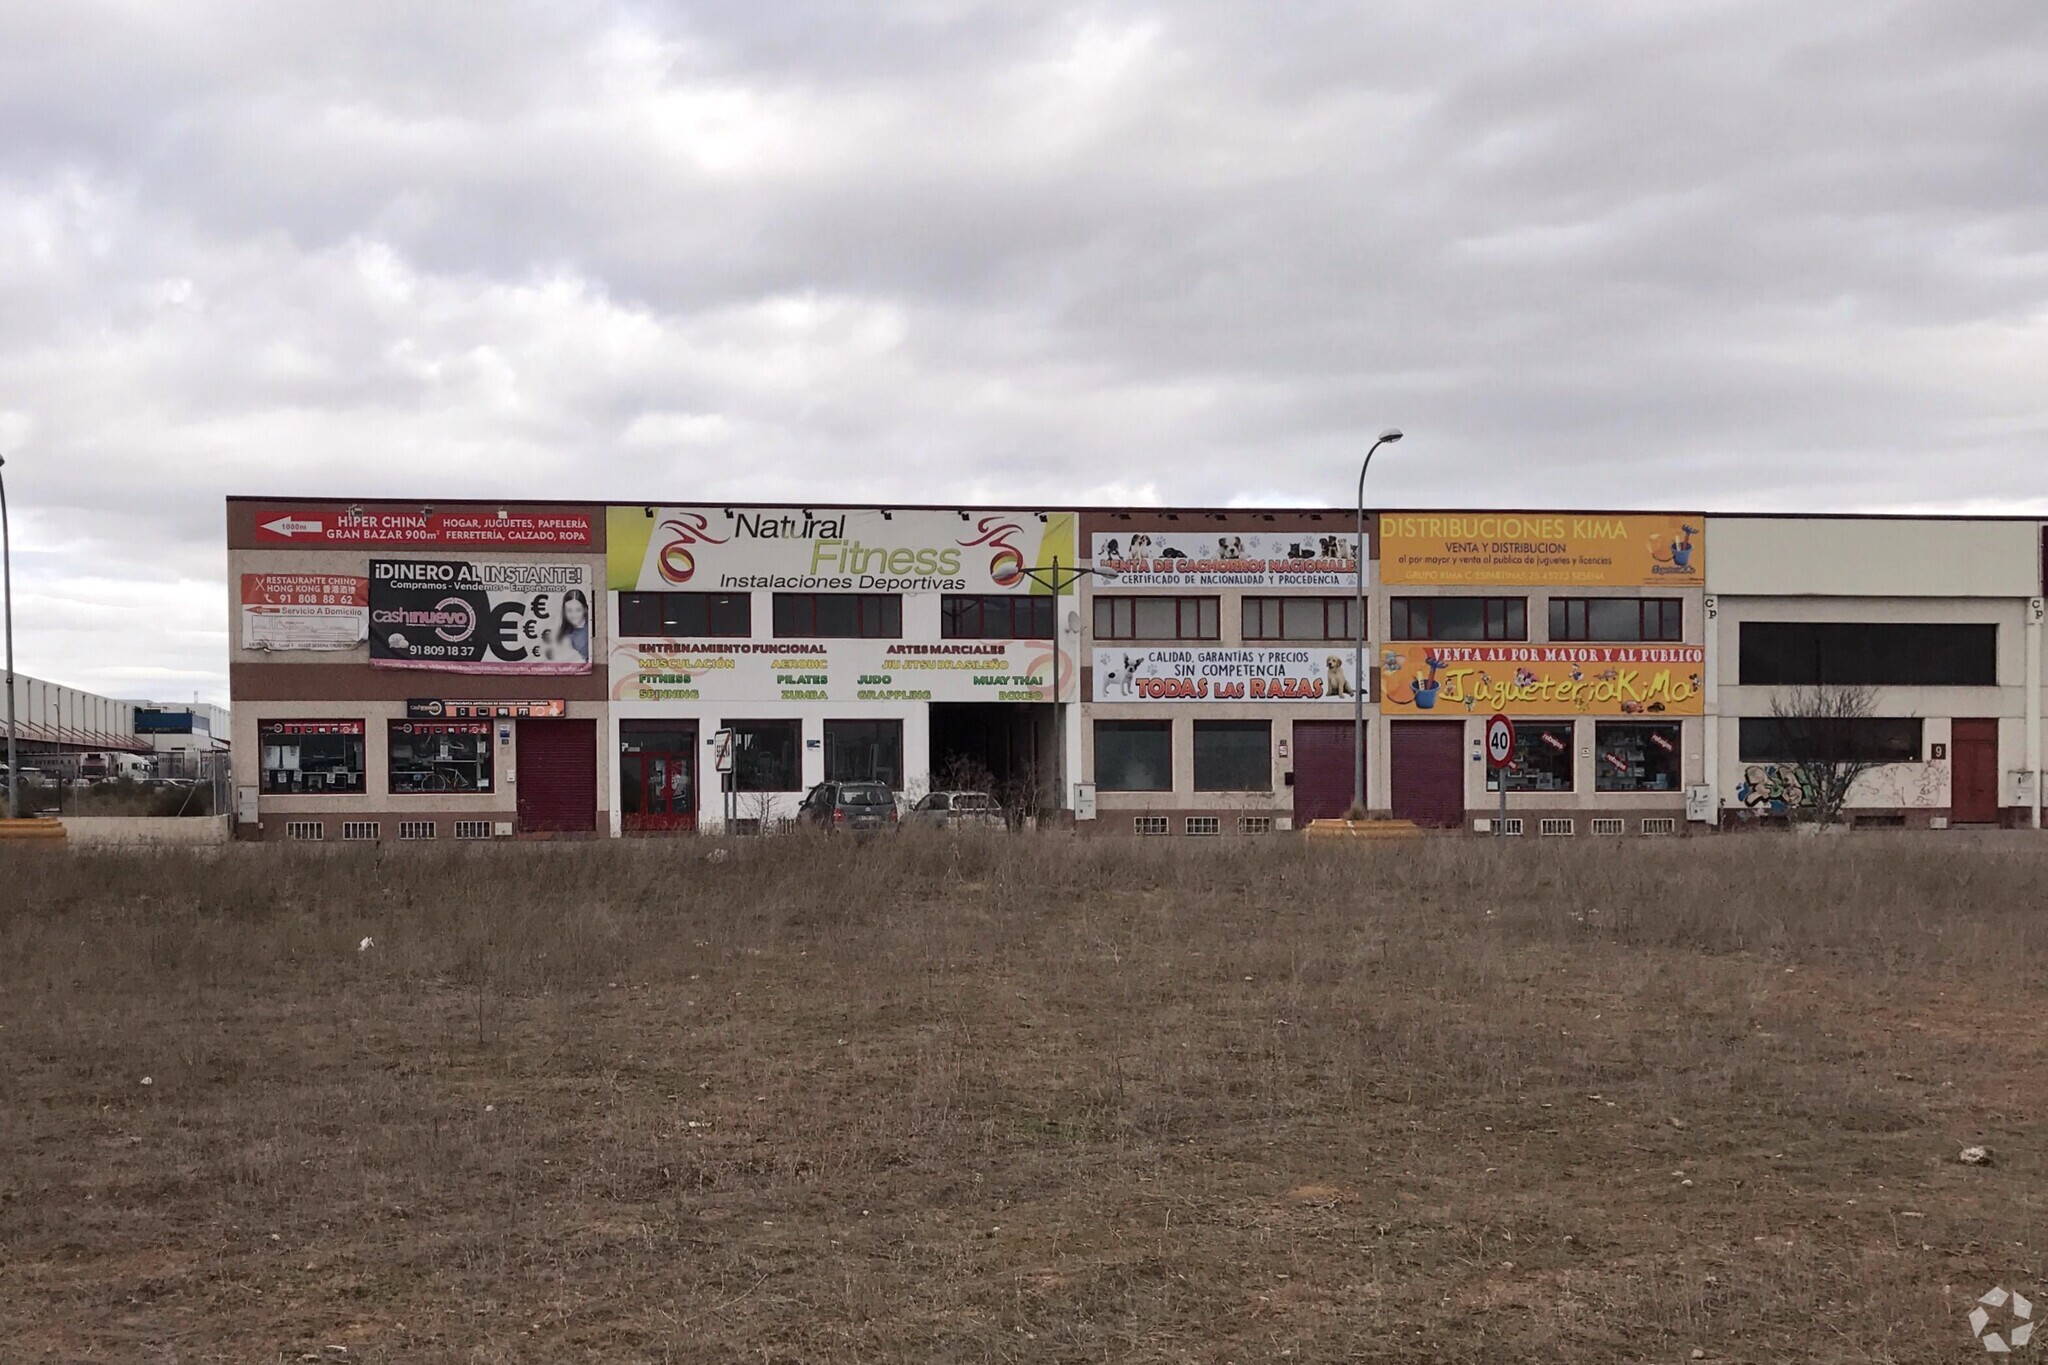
[{"x": 1500, "y": 741}]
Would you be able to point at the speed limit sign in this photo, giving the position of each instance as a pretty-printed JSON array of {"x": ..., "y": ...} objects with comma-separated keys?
[{"x": 1500, "y": 742}]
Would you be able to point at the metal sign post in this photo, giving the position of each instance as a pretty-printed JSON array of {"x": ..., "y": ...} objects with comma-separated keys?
[
  {"x": 722, "y": 756},
  {"x": 1500, "y": 756}
]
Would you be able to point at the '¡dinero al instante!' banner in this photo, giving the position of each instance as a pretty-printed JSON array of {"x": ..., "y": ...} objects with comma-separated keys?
[
  {"x": 1551, "y": 549},
  {"x": 741, "y": 549},
  {"x": 1542, "y": 680}
]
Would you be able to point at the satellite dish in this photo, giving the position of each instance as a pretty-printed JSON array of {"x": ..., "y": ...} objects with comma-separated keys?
[{"x": 1073, "y": 626}]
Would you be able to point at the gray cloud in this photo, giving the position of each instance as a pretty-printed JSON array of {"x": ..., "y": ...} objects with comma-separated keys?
[{"x": 1719, "y": 254}]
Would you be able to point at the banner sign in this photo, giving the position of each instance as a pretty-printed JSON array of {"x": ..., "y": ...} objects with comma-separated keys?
[
  {"x": 436, "y": 708},
  {"x": 462, "y": 616},
  {"x": 1543, "y": 680},
  {"x": 312, "y": 727},
  {"x": 322, "y": 527},
  {"x": 1241, "y": 675},
  {"x": 1551, "y": 549},
  {"x": 836, "y": 670},
  {"x": 304, "y": 611},
  {"x": 710, "y": 549},
  {"x": 1173, "y": 559}
]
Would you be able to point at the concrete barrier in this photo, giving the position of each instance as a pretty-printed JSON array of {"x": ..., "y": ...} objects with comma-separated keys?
[
  {"x": 85, "y": 831},
  {"x": 33, "y": 830}
]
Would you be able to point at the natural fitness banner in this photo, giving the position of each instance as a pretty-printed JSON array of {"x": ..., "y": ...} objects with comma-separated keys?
[{"x": 463, "y": 616}]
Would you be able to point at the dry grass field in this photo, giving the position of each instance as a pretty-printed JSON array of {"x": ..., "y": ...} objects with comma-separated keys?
[{"x": 1021, "y": 1100}]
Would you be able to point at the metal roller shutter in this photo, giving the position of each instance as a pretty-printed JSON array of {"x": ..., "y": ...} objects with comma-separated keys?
[
  {"x": 1429, "y": 772},
  {"x": 557, "y": 776},
  {"x": 1322, "y": 770}
]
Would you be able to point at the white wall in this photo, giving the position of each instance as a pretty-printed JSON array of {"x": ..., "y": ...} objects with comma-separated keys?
[{"x": 1869, "y": 557}]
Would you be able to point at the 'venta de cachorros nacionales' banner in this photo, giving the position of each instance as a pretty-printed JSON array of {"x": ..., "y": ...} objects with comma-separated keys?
[
  {"x": 1542, "y": 680},
  {"x": 740, "y": 549},
  {"x": 1552, "y": 549},
  {"x": 1234, "y": 675},
  {"x": 1174, "y": 559},
  {"x": 463, "y": 616},
  {"x": 304, "y": 611}
]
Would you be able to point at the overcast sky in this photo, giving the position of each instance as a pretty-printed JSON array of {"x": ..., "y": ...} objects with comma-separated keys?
[{"x": 1731, "y": 255}]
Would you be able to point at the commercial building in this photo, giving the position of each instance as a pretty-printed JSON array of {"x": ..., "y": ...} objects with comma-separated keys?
[
  {"x": 492, "y": 670},
  {"x": 65, "y": 732}
]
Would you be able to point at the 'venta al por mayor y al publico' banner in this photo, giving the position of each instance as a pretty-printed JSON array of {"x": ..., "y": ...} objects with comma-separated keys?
[
  {"x": 1232, "y": 675},
  {"x": 1222, "y": 559},
  {"x": 1542, "y": 680},
  {"x": 463, "y": 616},
  {"x": 837, "y": 670},
  {"x": 1552, "y": 549},
  {"x": 740, "y": 549},
  {"x": 304, "y": 611}
]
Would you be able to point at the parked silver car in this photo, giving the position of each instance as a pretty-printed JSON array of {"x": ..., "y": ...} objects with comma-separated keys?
[{"x": 956, "y": 810}]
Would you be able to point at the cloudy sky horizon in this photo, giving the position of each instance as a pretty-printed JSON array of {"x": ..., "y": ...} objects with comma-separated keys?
[{"x": 1701, "y": 254}]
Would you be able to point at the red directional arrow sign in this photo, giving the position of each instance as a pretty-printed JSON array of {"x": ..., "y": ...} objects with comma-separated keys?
[{"x": 320, "y": 526}]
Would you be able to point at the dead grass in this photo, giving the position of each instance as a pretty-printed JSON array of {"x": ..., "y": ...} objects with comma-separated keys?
[{"x": 1000, "y": 1099}]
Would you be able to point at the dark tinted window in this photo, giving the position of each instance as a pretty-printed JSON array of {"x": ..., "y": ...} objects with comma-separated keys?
[
  {"x": 838, "y": 615},
  {"x": 1134, "y": 755},
  {"x": 764, "y": 755},
  {"x": 1157, "y": 618},
  {"x": 1459, "y": 618},
  {"x": 1616, "y": 618},
  {"x": 1233, "y": 756},
  {"x": 686, "y": 613},
  {"x": 864, "y": 751},
  {"x": 1865, "y": 739},
  {"x": 1868, "y": 653},
  {"x": 996, "y": 618},
  {"x": 1543, "y": 758}
]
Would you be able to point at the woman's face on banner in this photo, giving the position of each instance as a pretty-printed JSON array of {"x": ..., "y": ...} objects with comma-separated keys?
[{"x": 574, "y": 614}]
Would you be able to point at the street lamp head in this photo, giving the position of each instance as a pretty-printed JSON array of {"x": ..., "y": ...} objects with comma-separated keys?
[{"x": 1390, "y": 435}]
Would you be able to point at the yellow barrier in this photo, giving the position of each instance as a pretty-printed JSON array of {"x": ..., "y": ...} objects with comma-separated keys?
[
  {"x": 41, "y": 828},
  {"x": 1364, "y": 829}
]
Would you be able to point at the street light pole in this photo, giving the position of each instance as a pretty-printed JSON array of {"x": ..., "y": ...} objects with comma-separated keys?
[
  {"x": 1358, "y": 674},
  {"x": 1058, "y": 579},
  {"x": 7, "y": 587}
]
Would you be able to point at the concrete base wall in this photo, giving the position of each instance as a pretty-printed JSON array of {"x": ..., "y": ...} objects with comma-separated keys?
[{"x": 184, "y": 831}]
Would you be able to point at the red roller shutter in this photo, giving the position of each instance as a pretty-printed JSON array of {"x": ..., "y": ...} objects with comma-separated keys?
[
  {"x": 1322, "y": 770},
  {"x": 1429, "y": 772},
  {"x": 557, "y": 776}
]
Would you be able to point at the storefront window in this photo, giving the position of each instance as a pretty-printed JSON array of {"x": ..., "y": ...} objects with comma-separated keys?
[
  {"x": 1233, "y": 755},
  {"x": 440, "y": 756},
  {"x": 1543, "y": 758},
  {"x": 657, "y": 771},
  {"x": 1635, "y": 758},
  {"x": 764, "y": 755},
  {"x": 312, "y": 757},
  {"x": 864, "y": 751},
  {"x": 1134, "y": 755}
]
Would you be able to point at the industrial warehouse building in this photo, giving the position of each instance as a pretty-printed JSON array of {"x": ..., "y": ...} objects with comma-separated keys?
[{"x": 492, "y": 670}]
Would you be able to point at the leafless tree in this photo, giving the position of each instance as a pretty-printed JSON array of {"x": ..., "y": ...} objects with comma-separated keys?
[{"x": 1823, "y": 747}]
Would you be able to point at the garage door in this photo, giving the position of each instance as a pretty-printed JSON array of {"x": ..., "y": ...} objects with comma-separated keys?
[
  {"x": 1322, "y": 770},
  {"x": 557, "y": 776},
  {"x": 1429, "y": 772}
]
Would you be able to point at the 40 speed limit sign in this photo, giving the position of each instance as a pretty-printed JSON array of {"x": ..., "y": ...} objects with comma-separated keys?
[{"x": 1500, "y": 742}]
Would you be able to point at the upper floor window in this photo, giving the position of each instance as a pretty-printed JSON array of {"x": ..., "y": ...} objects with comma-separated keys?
[
  {"x": 839, "y": 615},
  {"x": 1458, "y": 618},
  {"x": 1300, "y": 618},
  {"x": 1156, "y": 618},
  {"x": 686, "y": 613},
  {"x": 996, "y": 617},
  {"x": 1868, "y": 653},
  {"x": 1617, "y": 618}
]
